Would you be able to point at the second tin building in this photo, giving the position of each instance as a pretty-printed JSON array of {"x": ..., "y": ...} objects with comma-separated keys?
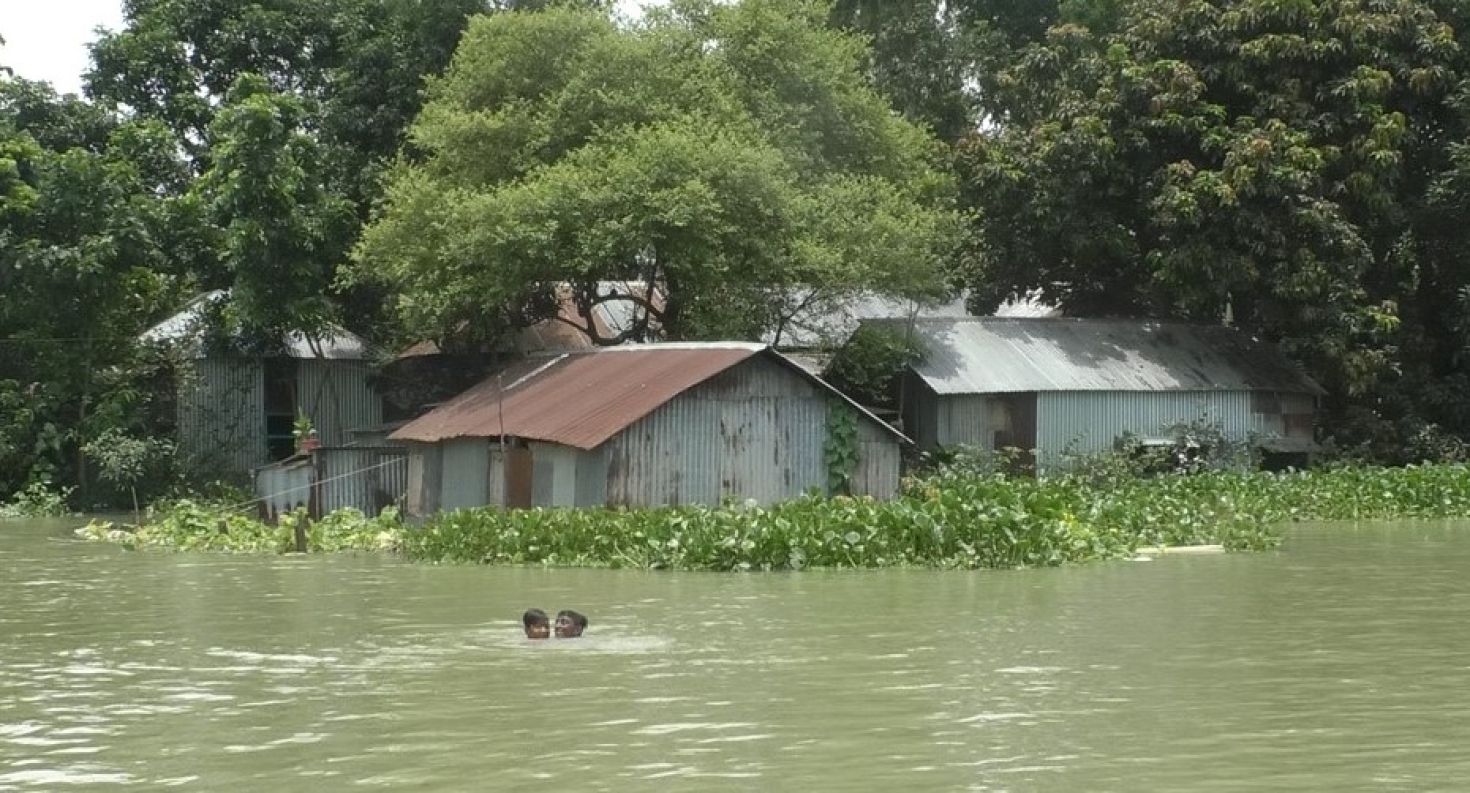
[{"x": 643, "y": 425}]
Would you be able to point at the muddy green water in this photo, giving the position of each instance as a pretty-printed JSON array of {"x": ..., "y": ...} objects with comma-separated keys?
[{"x": 1341, "y": 662}]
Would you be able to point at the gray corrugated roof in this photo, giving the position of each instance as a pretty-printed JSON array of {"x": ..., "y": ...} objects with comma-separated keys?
[
  {"x": 187, "y": 326},
  {"x": 831, "y": 321},
  {"x": 1001, "y": 355}
]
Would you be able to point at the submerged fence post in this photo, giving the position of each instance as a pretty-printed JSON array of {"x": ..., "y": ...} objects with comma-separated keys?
[{"x": 300, "y": 530}]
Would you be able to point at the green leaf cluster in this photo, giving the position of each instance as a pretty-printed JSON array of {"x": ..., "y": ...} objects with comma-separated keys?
[
  {"x": 716, "y": 156},
  {"x": 1293, "y": 168}
]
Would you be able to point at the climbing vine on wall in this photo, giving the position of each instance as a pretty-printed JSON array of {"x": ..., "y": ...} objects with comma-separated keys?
[{"x": 840, "y": 452}]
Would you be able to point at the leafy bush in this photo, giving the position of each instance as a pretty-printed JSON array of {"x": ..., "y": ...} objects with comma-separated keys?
[
  {"x": 188, "y": 525},
  {"x": 867, "y": 367},
  {"x": 37, "y": 500},
  {"x": 126, "y": 462}
]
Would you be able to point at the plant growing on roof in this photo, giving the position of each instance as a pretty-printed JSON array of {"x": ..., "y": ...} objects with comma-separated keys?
[{"x": 868, "y": 366}]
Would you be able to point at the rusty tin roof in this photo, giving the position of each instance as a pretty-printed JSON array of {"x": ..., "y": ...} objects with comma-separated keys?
[{"x": 583, "y": 398}]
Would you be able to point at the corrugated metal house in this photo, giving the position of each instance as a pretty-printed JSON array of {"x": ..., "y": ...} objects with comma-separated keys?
[
  {"x": 639, "y": 425},
  {"x": 236, "y": 412},
  {"x": 1077, "y": 385}
]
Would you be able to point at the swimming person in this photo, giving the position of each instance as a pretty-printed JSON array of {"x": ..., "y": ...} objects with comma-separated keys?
[
  {"x": 569, "y": 624},
  {"x": 536, "y": 623}
]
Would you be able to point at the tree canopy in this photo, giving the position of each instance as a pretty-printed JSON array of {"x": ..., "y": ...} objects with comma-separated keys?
[
  {"x": 1300, "y": 169},
  {"x": 84, "y": 259},
  {"x": 718, "y": 156},
  {"x": 1295, "y": 168}
]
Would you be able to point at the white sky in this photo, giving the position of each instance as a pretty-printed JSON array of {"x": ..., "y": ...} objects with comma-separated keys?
[{"x": 47, "y": 39}]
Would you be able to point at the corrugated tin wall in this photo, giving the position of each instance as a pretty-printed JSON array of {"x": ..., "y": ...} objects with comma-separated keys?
[
  {"x": 465, "y": 474},
  {"x": 879, "y": 461},
  {"x": 221, "y": 413},
  {"x": 756, "y": 431},
  {"x": 495, "y": 477},
  {"x": 221, "y": 409},
  {"x": 282, "y": 488},
  {"x": 671, "y": 456},
  {"x": 591, "y": 478},
  {"x": 335, "y": 394},
  {"x": 366, "y": 478},
  {"x": 425, "y": 475},
  {"x": 1270, "y": 416},
  {"x": 965, "y": 420},
  {"x": 554, "y": 482},
  {"x": 1091, "y": 421}
]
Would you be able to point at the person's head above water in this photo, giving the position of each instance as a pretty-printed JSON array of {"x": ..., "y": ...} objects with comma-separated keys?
[
  {"x": 569, "y": 624},
  {"x": 537, "y": 624}
]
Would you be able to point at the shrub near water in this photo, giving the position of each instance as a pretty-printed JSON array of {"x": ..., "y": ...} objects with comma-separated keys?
[{"x": 188, "y": 525}]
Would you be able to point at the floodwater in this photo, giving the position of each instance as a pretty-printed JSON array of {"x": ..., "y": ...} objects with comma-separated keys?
[{"x": 1341, "y": 662}]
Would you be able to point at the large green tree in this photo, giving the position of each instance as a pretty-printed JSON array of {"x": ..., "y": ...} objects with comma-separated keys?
[
  {"x": 84, "y": 261},
  {"x": 721, "y": 157},
  {"x": 920, "y": 57},
  {"x": 938, "y": 60},
  {"x": 279, "y": 227},
  {"x": 342, "y": 79},
  {"x": 1295, "y": 167}
]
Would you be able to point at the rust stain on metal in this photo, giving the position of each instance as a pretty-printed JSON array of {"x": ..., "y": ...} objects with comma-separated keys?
[{"x": 580, "y": 399}]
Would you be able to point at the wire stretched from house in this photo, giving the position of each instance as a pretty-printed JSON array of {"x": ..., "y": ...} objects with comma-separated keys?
[{"x": 260, "y": 499}]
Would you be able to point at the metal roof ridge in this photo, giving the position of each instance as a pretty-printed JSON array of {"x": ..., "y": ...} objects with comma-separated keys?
[{"x": 748, "y": 346}]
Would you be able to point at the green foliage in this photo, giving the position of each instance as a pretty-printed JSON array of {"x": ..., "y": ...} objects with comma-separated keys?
[
  {"x": 1291, "y": 165},
  {"x": 128, "y": 462},
  {"x": 840, "y": 449},
  {"x": 37, "y": 500},
  {"x": 84, "y": 262},
  {"x": 918, "y": 58},
  {"x": 868, "y": 367},
  {"x": 124, "y": 460},
  {"x": 955, "y": 517},
  {"x": 301, "y": 428},
  {"x": 281, "y": 228},
  {"x": 188, "y": 525},
  {"x": 719, "y": 155},
  {"x": 290, "y": 109}
]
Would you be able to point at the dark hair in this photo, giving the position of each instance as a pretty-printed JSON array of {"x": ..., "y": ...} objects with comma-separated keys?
[
  {"x": 534, "y": 617},
  {"x": 580, "y": 620}
]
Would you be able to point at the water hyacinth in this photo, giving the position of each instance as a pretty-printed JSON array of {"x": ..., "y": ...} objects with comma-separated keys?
[
  {"x": 947, "y": 519},
  {"x": 952, "y": 519},
  {"x": 188, "y": 525}
]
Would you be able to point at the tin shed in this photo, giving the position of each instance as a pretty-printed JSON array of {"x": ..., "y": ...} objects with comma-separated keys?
[
  {"x": 236, "y": 412},
  {"x": 1057, "y": 385},
  {"x": 640, "y": 425}
]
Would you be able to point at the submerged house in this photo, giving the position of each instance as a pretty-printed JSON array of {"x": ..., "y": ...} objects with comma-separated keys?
[
  {"x": 641, "y": 425},
  {"x": 1060, "y": 386},
  {"x": 236, "y": 412}
]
